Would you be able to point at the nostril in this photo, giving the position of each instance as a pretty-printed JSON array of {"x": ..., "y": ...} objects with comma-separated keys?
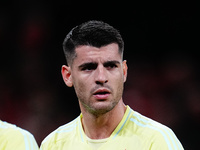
[{"x": 101, "y": 82}]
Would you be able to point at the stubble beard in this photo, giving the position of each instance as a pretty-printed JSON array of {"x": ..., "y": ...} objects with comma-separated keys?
[{"x": 102, "y": 107}]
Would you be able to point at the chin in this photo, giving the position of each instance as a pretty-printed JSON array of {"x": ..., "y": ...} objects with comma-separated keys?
[{"x": 101, "y": 109}]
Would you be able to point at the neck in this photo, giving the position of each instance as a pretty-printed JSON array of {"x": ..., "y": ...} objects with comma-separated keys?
[{"x": 99, "y": 127}]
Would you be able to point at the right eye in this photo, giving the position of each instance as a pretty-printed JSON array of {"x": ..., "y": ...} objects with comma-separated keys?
[{"x": 89, "y": 67}]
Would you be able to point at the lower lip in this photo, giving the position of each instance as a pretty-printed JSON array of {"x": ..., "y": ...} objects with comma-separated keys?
[{"x": 101, "y": 96}]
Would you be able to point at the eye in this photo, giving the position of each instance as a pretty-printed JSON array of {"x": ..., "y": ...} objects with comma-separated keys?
[
  {"x": 110, "y": 65},
  {"x": 88, "y": 67}
]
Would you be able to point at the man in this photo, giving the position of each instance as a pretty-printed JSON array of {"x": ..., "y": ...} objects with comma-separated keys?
[
  {"x": 15, "y": 138},
  {"x": 97, "y": 71}
]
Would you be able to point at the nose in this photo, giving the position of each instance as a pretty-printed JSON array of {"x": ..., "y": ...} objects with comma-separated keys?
[{"x": 101, "y": 75}]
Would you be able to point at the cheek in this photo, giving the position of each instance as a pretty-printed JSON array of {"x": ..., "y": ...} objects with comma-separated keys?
[
  {"x": 119, "y": 89},
  {"x": 81, "y": 88},
  {"x": 118, "y": 82}
]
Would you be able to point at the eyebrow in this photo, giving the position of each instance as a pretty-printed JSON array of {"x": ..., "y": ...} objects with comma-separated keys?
[
  {"x": 87, "y": 64},
  {"x": 111, "y": 62},
  {"x": 95, "y": 63}
]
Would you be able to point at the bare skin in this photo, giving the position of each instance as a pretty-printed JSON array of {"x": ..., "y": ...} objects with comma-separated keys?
[
  {"x": 102, "y": 127},
  {"x": 98, "y": 76}
]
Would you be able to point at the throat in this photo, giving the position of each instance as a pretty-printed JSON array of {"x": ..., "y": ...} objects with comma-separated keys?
[{"x": 98, "y": 129}]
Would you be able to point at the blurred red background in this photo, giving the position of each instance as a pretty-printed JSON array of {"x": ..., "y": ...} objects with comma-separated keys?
[{"x": 160, "y": 49}]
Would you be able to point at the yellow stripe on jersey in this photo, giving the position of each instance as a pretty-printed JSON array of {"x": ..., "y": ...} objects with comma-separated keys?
[
  {"x": 135, "y": 131},
  {"x": 16, "y": 138}
]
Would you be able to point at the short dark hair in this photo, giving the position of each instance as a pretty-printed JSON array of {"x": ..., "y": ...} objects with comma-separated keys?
[{"x": 94, "y": 33}]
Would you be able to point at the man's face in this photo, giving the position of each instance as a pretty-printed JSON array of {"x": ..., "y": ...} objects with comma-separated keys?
[{"x": 98, "y": 76}]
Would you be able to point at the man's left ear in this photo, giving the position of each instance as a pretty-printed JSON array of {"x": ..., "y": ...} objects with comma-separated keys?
[
  {"x": 125, "y": 68},
  {"x": 66, "y": 74}
]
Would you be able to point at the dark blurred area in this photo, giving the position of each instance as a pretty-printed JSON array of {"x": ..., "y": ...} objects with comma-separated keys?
[{"x": 161, "y": 50}]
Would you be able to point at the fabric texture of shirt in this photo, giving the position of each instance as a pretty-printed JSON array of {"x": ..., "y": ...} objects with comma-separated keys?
[
  {"x": 135, "y": 131},
  {"x": 16, "y": 138}
]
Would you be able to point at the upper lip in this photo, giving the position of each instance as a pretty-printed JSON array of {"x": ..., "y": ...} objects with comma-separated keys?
[{"x": 101, "y": 91}]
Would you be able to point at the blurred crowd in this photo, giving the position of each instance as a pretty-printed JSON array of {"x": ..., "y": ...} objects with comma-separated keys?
[{"x": 163, "y": 73}]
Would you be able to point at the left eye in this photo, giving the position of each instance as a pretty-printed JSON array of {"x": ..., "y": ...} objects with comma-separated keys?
[{"x": 110, "y": 66}]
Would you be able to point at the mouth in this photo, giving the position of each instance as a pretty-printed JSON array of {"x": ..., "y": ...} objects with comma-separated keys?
[{"x": 101, "y": 94}]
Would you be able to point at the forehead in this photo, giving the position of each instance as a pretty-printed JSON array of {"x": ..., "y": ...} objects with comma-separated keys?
[{"x": 90, "y": 53}]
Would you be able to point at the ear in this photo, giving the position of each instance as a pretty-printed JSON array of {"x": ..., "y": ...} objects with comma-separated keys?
[
  {"x": 66, "y": 74},
  {"x": 125, "y": 68}
]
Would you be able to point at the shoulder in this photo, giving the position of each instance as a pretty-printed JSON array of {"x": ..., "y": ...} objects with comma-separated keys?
[
  {"x": 149, "y": 125},
  {"x": 12, "y": 130},
  {"x": 14, "y": 135},
  {"x": 158, "y": 134},
  {"x": 61, "y": 133}
]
